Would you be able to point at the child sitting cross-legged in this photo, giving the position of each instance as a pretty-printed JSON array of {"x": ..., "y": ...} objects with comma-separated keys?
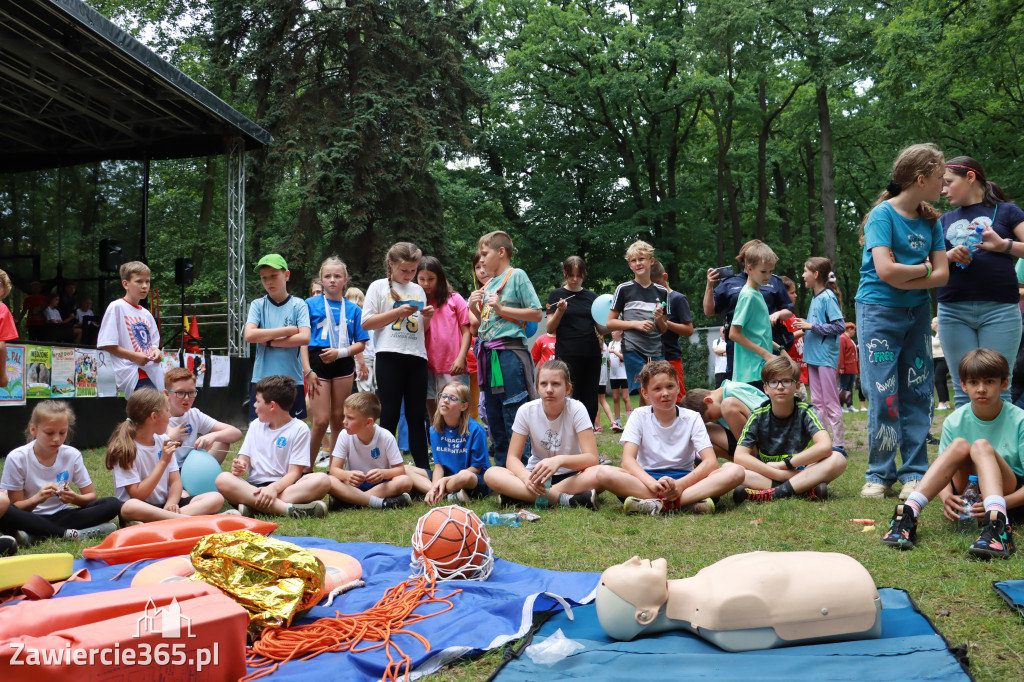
[
  {"x": 275, "y": 452},
  {"x": 784, "y": 447},
  {"x": 367, "y": 469},
  {"x": 983, "y": 438},
  {"x": 660, "y": 443},
  {"x": 459, "y": 445},
  {"x": 564, "y": 449},
  {"x": 725, "y": 411}
]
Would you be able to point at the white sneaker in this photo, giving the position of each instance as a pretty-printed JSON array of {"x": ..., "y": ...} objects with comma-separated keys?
[
  {"x": 705, "y": 506},
  {"x": 323, "y": 460},
  {"x": 636, "y": 505},
  {"x": 908, "y": 487},
  {"x": 876, "y": 490}
]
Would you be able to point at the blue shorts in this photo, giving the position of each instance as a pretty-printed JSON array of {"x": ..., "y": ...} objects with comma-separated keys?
[
  {"x": 634, "y": 363},
  {"x": 661, "y": 473},
  {"x": 481, "y": 489}
]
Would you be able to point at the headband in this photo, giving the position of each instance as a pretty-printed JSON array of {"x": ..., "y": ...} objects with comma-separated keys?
[{"x": 977, "y": 173}]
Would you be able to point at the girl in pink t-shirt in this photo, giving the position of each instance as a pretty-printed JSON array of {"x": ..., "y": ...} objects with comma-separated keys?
[{"x": 448, "y": 335}]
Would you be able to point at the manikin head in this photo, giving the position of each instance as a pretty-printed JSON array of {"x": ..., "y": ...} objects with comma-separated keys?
[{"x": 631, "y": 596}]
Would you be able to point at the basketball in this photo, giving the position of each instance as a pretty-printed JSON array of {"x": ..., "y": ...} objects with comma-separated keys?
[{"x": 452, "y": 543}]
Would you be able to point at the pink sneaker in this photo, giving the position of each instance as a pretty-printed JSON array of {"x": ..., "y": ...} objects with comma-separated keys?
[{"x": 597, "y": 430}]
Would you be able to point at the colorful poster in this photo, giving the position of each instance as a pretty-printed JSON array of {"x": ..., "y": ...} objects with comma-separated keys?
[
  {"x": 85, "y": 373},
  {"x": 106, "y": 384},
  {"x": 197, "y": 365},
  {"x": 170, "y": 360},
  {"x": 62, "y": 372},
  {"x": 14, "y": 392},
  {"x": 220, "y": 371},
  {"x": 37, "y": 371}
]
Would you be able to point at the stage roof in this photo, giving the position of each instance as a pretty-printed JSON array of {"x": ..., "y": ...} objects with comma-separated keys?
[{"x": 75, "y": 88}]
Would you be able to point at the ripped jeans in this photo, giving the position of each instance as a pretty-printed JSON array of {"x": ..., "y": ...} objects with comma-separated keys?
[
  {"x": 896, "y": 375},
  {"x": 502, "y": 407}
]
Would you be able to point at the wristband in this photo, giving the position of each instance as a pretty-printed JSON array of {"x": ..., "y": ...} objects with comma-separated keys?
[
  {"x": 927, "y": 269},
  {"x": 1009, "y": 246},
  {"x": 789, "y": 463},
  {"x": 343, "y": 352},
  {"x": 307, "y": 374}
]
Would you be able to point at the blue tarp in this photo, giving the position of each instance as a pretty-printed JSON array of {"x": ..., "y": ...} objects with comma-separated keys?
[
  {"x": 909, "y": 649},
  {"x": 1013, "y": 592},
  {"x": 485, "y": 614}
]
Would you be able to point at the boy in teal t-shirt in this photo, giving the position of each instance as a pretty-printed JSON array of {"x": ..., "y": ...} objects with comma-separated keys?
[
  {"x": 983, "y": 438},
  {"x": 751, "y": 328}
]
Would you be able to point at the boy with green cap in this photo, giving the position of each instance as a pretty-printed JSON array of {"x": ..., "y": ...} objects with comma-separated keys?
[{"x": 278, "y": 324}]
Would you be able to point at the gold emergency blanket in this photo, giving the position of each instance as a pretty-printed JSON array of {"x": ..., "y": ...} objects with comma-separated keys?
[{"x": 271, "y": 579}]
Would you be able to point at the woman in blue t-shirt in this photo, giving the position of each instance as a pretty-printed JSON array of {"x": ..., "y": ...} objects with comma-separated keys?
[
  {"x": 904, "y": 256},
  {"x": 978, "y": 307}
]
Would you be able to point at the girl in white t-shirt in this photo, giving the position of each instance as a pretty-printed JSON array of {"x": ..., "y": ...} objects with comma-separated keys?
[
  {"x": 39, "y": 476},
  {"x": 397, "y": 313},
  {"x": 562, "y": 443},
  {"x": 140, "y": 453}
]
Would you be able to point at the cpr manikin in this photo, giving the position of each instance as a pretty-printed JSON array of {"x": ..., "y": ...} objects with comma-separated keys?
[{"x": 759, "y": 600}]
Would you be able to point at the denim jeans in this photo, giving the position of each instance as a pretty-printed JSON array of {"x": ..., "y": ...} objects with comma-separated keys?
[
  {"x": 896, "y": 374},
  {"x": 502, "y": 407},
  {"x": 966, "y": 325},
  {"x": 635, "y": 362}
]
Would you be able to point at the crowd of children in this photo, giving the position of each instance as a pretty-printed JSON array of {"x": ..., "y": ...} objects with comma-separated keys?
[{"x": 415, "y": 347}]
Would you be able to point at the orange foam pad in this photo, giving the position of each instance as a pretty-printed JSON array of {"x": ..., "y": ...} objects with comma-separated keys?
[
  {"x": 169, "y": 538},
  {"x": 341, "y": 569},
  {"x": 110, "y": 621}
]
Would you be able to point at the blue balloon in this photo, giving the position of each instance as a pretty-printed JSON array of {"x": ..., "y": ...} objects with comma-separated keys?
[
  {"x": 199, "y": 472},
  {"x": 600, "y": 307}
]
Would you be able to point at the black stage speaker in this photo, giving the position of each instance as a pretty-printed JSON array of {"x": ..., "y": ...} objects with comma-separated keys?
[
  {"x": 110, "y": 255},
  {"x": 184, "y": 271}
]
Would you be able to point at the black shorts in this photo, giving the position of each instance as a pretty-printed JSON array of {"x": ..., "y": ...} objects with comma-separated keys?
[
  {"x": 339, "y": 369},
  {"x": 618, "y": 383},
  {"x": 731, "y": 440},
  {"x": 600, "y": 389},
  {"x": 183, "y": 502}
]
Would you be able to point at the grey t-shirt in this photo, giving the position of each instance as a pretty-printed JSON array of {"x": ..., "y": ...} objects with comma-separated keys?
[
  {"x": 776, "y": 438},
  {"x": 636, "y": 303}
]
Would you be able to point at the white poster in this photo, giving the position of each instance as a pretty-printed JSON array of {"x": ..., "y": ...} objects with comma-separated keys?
[
  {"x": 106, "y": 384},
  {"x": 220, "y": 371}
]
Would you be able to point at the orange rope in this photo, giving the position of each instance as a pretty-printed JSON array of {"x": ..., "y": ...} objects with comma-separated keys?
[{"x": 385, "y": 619}]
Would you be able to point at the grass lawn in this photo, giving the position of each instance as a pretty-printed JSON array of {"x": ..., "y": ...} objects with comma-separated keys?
[{"x": 951, "y": 588}]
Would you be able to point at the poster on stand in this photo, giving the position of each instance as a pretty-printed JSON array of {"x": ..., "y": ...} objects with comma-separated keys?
[
  {"x": 106, "y": 384},
  {"x": 14, "y": 392},
  {"x": 196, "y": 364},
  {"x": 85, "y": 373},
  {"x": 37, "y": 371},
  {"x": 220, "y": 371},
  {"x": 62, "y": 372}
]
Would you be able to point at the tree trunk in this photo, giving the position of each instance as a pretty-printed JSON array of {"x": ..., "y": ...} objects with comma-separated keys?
[
  {"x": 828, "y": 190},
  {"x": 807, "y": 158},
  {"x": 783, "y": 207},
  {"x": 761, "y": 219}
]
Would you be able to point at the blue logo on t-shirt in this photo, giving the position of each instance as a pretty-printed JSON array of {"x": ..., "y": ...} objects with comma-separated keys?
[
  {"x": 375, "y": 453},
  {"x": 188, "y": 429},
  {"x": 281, "y": 442}
]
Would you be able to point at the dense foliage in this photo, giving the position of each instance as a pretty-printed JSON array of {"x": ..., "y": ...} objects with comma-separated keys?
[{"x": 576, "y": 126}]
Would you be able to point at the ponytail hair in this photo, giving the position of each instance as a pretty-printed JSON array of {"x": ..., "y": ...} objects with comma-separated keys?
[
  {"x": 916, "y": 160},
  {"x": 400, "y": 252},
  {"x": 121, "y": 446},
  {"x": 443, "y": 290},
  {"x": 962, "y": 165},
  {"x": 461, "y": 390},
  {"x": 822, "y": 269}
]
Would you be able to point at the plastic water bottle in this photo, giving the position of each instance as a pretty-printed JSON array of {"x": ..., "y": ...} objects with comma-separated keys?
[
  {"x": 972, "y": 241},
  {"x": 496, "y": 519},
  {"x": 972, "y": 493},
  {"x": 542, "y": 500}
]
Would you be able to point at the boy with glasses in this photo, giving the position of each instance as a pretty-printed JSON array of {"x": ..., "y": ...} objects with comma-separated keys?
[
  {"x": 180, "y": 389},
  {"x": 784, "y": 447}
]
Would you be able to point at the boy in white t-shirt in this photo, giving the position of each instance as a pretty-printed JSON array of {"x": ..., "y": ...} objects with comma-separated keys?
[
  {"x": 276, "y": 448},
  {"x": 217, "y": 436},
  {"x": 367, "y": 469},
  {"x": 661, "y": 442},
  {"x": 130, "y": 334}
]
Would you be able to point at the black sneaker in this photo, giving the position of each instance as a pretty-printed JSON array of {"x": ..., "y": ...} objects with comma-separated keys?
[
  {"x": 587, "y": 499},
  {"x": 397, "y": 502},
  {"x": 504, "y": 501},
  {"x": 902, "y": 532},
  {"x": 996, "y": 541},
  {"x": 931, "y": 440},
  {"x": 316, "y": 509},
  {"x": 818, "y": 492},
  {"x": 8, "y": 545}
]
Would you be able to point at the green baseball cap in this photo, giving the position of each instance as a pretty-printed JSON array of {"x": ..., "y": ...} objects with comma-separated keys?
[{"x": 273, "y": 260}]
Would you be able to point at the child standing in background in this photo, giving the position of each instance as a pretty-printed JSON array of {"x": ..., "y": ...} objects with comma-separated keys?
[
  {"x": 337, "y": 335},
  {"x": 398, "y": 315},
  {"x": 796, "y": 351},
  {"x": 751, "y": 328},
  {"x": 8, "y": 332},
  {"x": 447, "y": 338},
  {"x": 849, "y": 367},
  {"x": 365, "y": 379},
  {"x": 617, "y": 382},
  {"x": 130, "y": 334},
  {"x": 822, "y": 328}
]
